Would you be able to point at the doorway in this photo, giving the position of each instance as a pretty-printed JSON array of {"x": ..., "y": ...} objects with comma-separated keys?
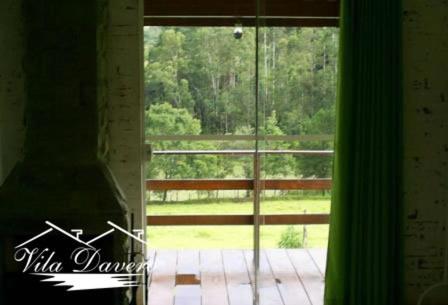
[{"x": 239, "y": 183}]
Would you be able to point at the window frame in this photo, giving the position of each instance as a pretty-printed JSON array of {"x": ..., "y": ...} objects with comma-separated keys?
[{"x": 297, "y": 13}]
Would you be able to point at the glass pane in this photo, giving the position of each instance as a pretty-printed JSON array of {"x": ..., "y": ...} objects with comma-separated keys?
[
  {"x": 200, "y": 125},
  {"x": 202, "y": 74},
  {"x": 297, "y": 95}
]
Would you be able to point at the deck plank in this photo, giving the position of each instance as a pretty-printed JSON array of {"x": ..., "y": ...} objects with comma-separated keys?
[
  {"x": 309, "y": 274},
  {"x": 290, "y": 286},
  {"x": 188, "y": 262},
  {"x": 213, "y": 281},
  {"x": 268, "y": 291},
  {"x": 320, "y": 258},
  {"x": 287, "y": 277},
  {"x": 187, "y": 271},
  {"x": 150, "y": 254},
  {"x": 188, "y": 289},
  {"x": 150, "y": 258},
  {"x": 187, "y": 295},
  {"x": 161, "y": 290},
  {"x": 238, "y": 282}
]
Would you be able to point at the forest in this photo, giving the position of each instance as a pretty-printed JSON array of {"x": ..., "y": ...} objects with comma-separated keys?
[{"x": 201, "y": 81}]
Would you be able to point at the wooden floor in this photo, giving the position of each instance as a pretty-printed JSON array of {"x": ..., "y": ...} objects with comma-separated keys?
[{"x": 225, "y": 277}]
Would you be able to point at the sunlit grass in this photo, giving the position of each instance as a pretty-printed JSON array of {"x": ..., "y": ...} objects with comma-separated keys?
[{"x": 233, "y": 236}]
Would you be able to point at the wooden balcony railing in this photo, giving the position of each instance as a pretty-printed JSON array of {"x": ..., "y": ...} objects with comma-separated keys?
[
  {"x": 237, "y": 219},
  {"x": 245, "y": 152},
  {"x": 237, "y": 184}
]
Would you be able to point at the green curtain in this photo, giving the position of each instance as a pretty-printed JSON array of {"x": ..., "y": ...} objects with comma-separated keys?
[{"x": 365, "y": 251}]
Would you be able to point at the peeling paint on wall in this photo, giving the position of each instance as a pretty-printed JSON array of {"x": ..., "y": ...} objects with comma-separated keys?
[
  {"x": 125, "y": 105},
  {"x": 125, "y": 44},
  {"x": 425, "y": 39}
]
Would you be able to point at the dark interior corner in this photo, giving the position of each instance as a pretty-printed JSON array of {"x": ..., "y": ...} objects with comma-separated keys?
[{"x": 72, "y": 149}]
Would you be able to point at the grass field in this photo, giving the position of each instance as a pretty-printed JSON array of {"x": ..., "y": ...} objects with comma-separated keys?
[{"x": 199, "y": 237}]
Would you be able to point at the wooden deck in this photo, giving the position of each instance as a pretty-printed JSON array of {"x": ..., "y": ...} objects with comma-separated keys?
[{"x": 225, "y": 277}]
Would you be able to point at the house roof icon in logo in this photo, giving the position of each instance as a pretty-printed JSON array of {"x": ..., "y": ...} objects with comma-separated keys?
[{"x": 53, "y": 227}]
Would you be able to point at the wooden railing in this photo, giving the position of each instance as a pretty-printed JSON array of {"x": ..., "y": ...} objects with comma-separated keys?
[
  {"x": 236, "y": 219},
  {"x": 237, "y": 184},
  {"x": 245, "y": 152}
]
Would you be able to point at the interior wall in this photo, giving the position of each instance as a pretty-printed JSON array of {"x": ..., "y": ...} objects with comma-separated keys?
[
  {"x": 125, "y": 47},
  {"x": 425, "y": 25},
  {"x": 12, "y": 93},
  {"x": 125, "y": 81},
  {"x": 125, "y": 84},
  {"x": 425, "y": 39}
]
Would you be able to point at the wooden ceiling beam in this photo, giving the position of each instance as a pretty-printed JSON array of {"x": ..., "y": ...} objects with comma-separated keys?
[{"x": 227, "y": 13}]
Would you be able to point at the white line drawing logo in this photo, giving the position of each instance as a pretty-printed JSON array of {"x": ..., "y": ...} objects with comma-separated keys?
[{"x": 90, "y": 272}]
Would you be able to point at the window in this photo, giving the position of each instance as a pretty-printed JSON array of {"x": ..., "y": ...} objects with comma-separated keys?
[{"x": 213, "y": 140}]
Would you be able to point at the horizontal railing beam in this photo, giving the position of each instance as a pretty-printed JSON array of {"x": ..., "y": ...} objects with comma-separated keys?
[
  {"x": 242, "y": 152},
  {"x": 225, "y": 220},
  {"x": 194, "y": 138},
  {"x": 236, "y": 184}
]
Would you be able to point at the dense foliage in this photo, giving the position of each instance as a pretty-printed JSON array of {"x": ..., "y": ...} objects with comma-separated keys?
[{"x": 201, "y": 81}]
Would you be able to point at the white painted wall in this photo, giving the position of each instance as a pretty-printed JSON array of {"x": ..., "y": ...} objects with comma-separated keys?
[
  {"x": 125, "y": 70},
  {"x": 425, "y": 39}
]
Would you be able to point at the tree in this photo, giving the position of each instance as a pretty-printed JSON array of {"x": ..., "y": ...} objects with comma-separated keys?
[
  {"x": 221, "y": 77},
  {"x": 167, "y": 120},
  {"x": 322, "y": 122},
  {"x": 164, "y": 79},
  {"x": 209, "y": 75},
  {"x": 276, "y": 165}
]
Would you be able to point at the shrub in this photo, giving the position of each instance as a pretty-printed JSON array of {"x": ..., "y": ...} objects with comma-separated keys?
[{"x": 291, "y": 238}]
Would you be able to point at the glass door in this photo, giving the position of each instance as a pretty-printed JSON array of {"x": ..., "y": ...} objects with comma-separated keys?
[
  {"x": 239, "y": 129},
  {"x": 260, "y": 286},
  {"x": 296, "y": 95},
  {"x": 200, "y": 128}
]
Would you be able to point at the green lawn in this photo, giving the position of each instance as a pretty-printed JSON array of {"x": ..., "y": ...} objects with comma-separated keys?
[{"x": 233, "y": 236}]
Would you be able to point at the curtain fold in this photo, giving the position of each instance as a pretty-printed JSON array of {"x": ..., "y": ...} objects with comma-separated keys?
[{"x": 365, "y": 250}]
